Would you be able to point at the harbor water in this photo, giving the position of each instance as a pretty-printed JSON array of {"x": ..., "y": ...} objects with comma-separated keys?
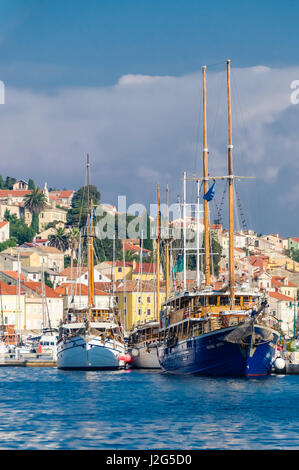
[{"x": 52, "y": 409}]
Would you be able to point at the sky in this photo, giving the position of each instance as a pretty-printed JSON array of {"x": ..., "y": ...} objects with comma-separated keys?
[{"x": 121, "y": 80}]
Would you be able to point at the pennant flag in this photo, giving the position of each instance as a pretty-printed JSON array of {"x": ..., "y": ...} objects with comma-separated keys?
[
  {"x": 210, "y": 193},
  {"x": 94, "y": 214},
  {"x": 178, "y": 267}
]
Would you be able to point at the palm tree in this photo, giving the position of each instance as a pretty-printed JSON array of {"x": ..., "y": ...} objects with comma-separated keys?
[
  {"x": 35, "y": 202},
  {"x": 73, "y": 239},
  {"x": 59, "y": 239}
]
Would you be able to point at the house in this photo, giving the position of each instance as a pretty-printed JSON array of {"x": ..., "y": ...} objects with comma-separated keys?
[
  {"x": 12, "y": 305},
  {"x": 9, "y": 262},
  {"x": 121, "y": 270},
  {"x": 277, "y": 243},
  {"x": 4, "y": 231},
  {"x": 19, "y": 185},
  {"x": 281, "y": 307},
  {"x": 145, "y": 271},
  {"x": 284, "y": 286},
  {"x": 52, "y": 305},
  {"x": 136, "y": 302},
  {"x": 79, "y": 274},
  {"x": 76, "y": 296},
  {"x": 63, "y": 198},
  {"x": 135, "y": 249},
  {"x": 51, "y": 257},
  {"x": 293, "y": 243}
]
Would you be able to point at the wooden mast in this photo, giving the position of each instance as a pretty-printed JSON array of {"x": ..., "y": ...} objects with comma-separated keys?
[
  {"x": 206, "y": 182},
  {"x": 90, "y": 247},
  {"x": 167, "y": 245},
  {"x": 230, "y": 192},
  {"x": 158, "y": 256}
]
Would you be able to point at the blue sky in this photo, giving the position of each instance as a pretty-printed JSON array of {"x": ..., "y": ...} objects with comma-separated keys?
[
  {"x": 94, "y": 42},
  {"x": 84, "y": 77}
]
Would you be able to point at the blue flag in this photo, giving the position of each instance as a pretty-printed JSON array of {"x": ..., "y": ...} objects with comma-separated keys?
[
  {"x": 210, "y": 193},
  {"x": 178, "y": 267},
  {"x": 94, "y": 214}
]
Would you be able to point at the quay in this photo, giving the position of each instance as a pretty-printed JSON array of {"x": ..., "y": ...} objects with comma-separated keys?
[{"x": 28, "y": 360}]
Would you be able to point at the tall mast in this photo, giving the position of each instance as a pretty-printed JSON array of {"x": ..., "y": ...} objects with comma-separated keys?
[
  {"x": 230, "y": 192},
  {"x": 167, "y": 245},
  {"x": 90, "y": 246},
  {"x": 206, "y": 181},
  {"x": 184, "y": 235},
  {"x": 158, "y": 256},
  {"x": 197, "y": 238}
]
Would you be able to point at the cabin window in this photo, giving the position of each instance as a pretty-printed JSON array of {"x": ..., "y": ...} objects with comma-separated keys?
[
  {"x": 224, "y": 301},
  {"x": 213, "y": 300}
]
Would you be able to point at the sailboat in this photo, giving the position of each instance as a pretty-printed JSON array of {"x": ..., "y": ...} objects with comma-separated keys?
[
  {"x": 143, "y": 340},
  {"x": 92, "y": 338},
  {"x": 210, "y": 332}
]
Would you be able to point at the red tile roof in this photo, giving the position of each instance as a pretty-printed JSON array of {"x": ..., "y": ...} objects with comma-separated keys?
[
  {"x": 6, "y": 289},
  {"x": 77, "y": 289},
  {"x": 14, "y": 274},
  {"x": 37, "y": 287},
  {"x": 147, "y": 268},
  {"x": 14, "y": 193},
  {"x": 278, "y": 296},
  {"x": 2, "y": 224}
]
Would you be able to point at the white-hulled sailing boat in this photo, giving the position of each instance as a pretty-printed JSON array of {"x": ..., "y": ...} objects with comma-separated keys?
[{"x": 92, "y": 338}]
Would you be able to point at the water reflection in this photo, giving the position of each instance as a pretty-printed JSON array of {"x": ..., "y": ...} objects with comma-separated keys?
[{"x": 51, "y": 409}]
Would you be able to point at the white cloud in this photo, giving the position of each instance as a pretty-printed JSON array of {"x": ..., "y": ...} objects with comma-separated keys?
[{"x": 145, "y": 130}]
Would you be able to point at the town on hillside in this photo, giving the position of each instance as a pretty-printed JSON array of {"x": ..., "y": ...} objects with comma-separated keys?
[{"x": 39, "y": 262}]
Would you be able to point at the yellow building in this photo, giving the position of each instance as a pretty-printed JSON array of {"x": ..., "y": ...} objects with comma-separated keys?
[
  {"x": 145, "y": 271},
  {"x": 120, "y": 271},
  {"x": 137, "y": 303}
]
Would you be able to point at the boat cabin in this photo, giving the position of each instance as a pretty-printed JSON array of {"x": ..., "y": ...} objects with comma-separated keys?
[{"x": 148, "y": 332}]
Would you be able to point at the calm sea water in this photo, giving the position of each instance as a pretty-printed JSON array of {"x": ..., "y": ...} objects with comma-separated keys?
[{"x": 43, "y": 408}]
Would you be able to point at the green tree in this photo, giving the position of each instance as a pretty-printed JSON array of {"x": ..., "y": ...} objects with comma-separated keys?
[
  {"x": 19, "y": 230},
  {"x": 73, "y": 240},
  {"x": 35, "y": 202},
  {"x": 1, "y": 182},
  {"x": 77, "y": 214},
  {"x": 31, "y": 184},
  {"x": 59, "y": 239},
  {"x": 9, "y": 182}
]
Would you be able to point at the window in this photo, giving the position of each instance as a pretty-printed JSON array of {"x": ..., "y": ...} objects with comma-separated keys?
[
  {"x": 119, "y": 270},
  {"x": 148, "y": 299},
  {"x": 125, "y": 299},
  {"x": 116, "y": 299},
  {"x": 139, "y": 299},
  {"x": 139, "y": 311},
  {"x": 148, "y": 311}
]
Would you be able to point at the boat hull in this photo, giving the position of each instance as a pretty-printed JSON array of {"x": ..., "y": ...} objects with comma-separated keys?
[
  {"x": 211, "y": 354},
  {"x": 144, "y": 357},
  {"x": 89, "y": 353}
]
